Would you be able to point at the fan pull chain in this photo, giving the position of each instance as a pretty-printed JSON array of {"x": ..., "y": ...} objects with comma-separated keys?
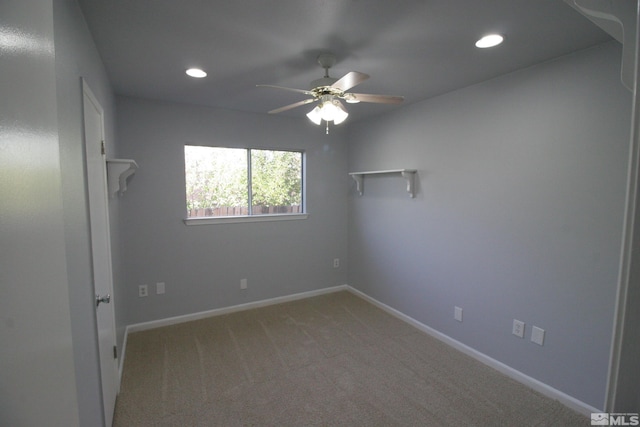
[{"x": 327, "y": 128}]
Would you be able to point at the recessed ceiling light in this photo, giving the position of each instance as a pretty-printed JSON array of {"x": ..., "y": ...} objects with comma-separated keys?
[
  {"x": 490, "y": 40},
  {"x": 196, "y": 72}
]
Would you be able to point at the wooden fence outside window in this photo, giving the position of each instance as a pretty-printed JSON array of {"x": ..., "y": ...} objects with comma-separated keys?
[{"x": 243, "y": 211}]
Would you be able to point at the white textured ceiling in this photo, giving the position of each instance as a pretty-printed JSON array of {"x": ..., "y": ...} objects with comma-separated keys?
[{"x": 414, "y": 48}]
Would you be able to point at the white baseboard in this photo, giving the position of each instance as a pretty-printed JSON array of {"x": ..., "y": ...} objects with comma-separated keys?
[
  {"x": 137, "y": 327},
  {"x": 514, "y": 374},
  {"x": 539, "y": 386}
]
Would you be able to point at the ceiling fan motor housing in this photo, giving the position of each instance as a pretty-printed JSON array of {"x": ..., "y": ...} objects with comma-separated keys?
[{"x": 323, "y": 82}]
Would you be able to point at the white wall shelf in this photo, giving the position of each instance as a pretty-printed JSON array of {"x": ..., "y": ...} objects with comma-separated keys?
[
  {"x": 407, "y": 174},
  {"x": 118, "y": 170}
]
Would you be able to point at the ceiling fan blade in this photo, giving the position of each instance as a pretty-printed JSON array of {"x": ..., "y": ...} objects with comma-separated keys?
[
  {"x": 306, "y": 92},
  {"x": 290, "y": 106},
  {"x": 349, "y": 80},
  {"x": 379, "y": 99}
]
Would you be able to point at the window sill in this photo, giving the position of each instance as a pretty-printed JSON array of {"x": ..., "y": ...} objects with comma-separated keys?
[{"x": 237, "y": 219}]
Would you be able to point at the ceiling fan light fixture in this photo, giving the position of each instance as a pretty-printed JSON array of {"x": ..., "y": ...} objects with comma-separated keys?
[
  {"x": 329, "y": 110},
  {"x": 196, "y": 73},
  {"x": 489, "y": 40}
]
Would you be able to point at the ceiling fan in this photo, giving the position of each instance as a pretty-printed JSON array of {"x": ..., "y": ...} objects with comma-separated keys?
[{"x": 328, "y": 92}]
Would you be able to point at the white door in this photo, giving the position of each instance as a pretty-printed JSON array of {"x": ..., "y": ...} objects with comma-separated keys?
[{"x": 101, "y": 248}]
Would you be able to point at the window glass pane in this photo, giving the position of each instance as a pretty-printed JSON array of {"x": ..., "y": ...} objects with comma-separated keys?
[
  {"x": 216, "y": 181},
  {"x": 276, "y": 182}
]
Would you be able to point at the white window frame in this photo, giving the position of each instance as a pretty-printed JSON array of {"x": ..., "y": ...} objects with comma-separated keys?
[{"x": 260, "y": 217}]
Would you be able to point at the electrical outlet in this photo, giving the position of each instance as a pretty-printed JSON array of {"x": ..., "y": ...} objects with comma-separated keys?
[
  {"x": 336, "y": 262},
  {"x": 518, "y": 328},
  {"x": 537, "y": 335},
  {"x": 243, "y": 283},
  {"x": 143, "y": 291},
  {"x": 160, "y": 288},
  {"x": 457, "y": 314}
]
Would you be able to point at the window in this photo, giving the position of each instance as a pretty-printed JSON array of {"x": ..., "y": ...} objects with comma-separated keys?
[{"x": 234, "y": 182}]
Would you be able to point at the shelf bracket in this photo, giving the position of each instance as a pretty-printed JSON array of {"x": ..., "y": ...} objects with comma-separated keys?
[
  {"x": 618, "y": 19},
  {"x": 411, "y": 182},
  {"x": 118, "y": 171},
  {"x": 359, "y": 179}
]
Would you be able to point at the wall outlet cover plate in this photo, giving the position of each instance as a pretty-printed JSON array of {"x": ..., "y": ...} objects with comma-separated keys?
[
  {"x": 143, "y": 291},
  {"x": 518, "y": 328}
]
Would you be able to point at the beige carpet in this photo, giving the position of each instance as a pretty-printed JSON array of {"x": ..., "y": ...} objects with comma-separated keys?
[{"x": 331, "y": 360}]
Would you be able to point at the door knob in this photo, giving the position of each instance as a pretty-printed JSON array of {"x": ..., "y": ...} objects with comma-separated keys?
[{"x": 105, "y": 299}]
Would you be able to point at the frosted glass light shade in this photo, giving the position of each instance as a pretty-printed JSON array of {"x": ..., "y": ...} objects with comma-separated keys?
[
  {"x": 315, "y": 116},
  {"x": 339, "y": 114}
]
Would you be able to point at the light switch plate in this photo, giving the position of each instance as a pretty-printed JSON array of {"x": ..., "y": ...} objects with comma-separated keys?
[
  {"x": 537, "y": 335},
  {"x": 457, "y": 314}
]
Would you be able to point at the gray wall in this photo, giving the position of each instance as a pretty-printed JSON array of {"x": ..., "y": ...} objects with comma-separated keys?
[
  {"x": 76, "y": 57},
  {"x": 202, "y": 265},
  {"x": 518, "y": 215},
  {"x": 37, "y": 378}
]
